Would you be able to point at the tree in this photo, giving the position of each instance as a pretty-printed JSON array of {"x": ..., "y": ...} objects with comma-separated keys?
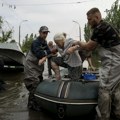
[
  {"x": 4, "y": 35},
  {"x": 87, "y": 32},
  {"x": 95, "y": 56},
  {"x": 113, "y": 15},
  {"x": 26, "y": 44},
  {"x": 1, "y": 22}
]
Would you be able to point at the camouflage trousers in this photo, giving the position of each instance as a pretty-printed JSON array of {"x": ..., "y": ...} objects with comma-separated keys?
[{"x": 109, "y": 104}]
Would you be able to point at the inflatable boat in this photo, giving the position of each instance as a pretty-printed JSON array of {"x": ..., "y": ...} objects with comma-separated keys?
[{"x": 68, "y": 98}]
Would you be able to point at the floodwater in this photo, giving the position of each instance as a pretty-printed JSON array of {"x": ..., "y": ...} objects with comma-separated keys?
[{"x": 13, "y": 100}]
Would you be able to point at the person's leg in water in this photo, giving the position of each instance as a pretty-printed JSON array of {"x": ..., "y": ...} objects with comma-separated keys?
[
  {"x": 32, "y": 103},
  {"x": 104, "y": 105},
  {"x": 116, "y": 102}
]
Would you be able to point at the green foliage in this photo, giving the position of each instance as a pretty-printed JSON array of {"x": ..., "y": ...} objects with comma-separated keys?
[
  {"x": 95, "y": 56},
  {"x": 1, "y": 22},
  {"x": 4, "y": 35},
  {"x": 26, "y": 44},
  {"x": 87, "y": 31},
  {"x": 113, "y": 15}
]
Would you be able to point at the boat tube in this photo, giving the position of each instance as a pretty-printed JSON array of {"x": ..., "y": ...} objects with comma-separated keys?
[{"x": 68, "y": 98}]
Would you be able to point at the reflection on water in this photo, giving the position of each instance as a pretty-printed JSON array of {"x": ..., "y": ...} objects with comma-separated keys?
[{"x": 13, "y": 100}]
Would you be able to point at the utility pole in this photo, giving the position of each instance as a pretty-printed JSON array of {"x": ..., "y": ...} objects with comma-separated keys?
[
  {"x": 20, "y": 30},
  {"x": 79, "y": 29}
]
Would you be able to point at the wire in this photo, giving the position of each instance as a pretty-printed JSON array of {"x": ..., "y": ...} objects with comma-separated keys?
[
  {"x": 50, "y": 4},
  {"x": 62, "y": 3}
]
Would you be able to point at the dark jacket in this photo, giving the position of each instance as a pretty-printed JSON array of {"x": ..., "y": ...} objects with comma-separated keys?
[{"x": 40, "y": 48}]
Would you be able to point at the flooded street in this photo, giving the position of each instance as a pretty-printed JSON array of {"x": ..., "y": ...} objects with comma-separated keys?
[{"x": 13, "y": 100}]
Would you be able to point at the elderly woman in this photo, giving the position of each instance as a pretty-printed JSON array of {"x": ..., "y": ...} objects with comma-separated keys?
[{"x": 69, "y": 58}]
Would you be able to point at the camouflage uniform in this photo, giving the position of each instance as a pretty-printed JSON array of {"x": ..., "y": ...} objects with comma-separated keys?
[{"x": 109, "y": 93}]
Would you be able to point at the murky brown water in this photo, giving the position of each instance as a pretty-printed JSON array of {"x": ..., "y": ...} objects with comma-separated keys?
[{"x": 13, "y": 100}]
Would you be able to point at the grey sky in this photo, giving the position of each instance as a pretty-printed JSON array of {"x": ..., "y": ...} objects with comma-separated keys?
[{"x": 58, "y": 17}]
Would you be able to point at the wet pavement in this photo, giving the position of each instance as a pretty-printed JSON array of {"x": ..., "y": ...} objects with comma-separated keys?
[{"x": 13, "y": 100}]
